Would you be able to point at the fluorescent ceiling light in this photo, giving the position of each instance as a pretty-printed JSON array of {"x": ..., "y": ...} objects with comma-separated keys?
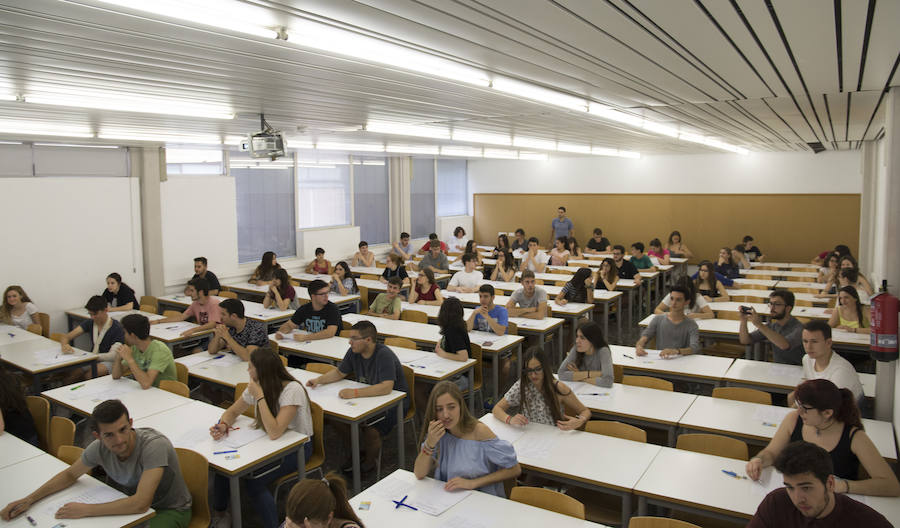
[
  {"x": 180, "y": 155},
  {"x": 408, "y": 130},
  {"x": 466, "y": 152},
  {"x": 315, "y": 166},
  {"x": 533, "y": 156},
  {"x": 608, "y": 113},
  {"x": 374, "y": 163},
  {"x": 10, "y": 142},
  {"x": 414, "y": 149},
  {"x": 36, "y": 128},
  {"x": 571, "y": 147},
  {"x": 73, "y": 145},
  {"x": 501, "y": 153},
  {"x": 629, "y": 154},
  {"x": 481, "y": 137},
  {"x": 122, "y": 102},
  {"x": 693, "y": 138},
  {"x": 235, "y": 16},
  {"x": 601, "y": 151},
  {"x": 8, "y": 97},
  {"x": 542, "y": 144},
  {"x": 539, "y": 94},
  {"x": 659, "y": 128},
  {"x": 361, "y": 147},
  {"x": 158, "y": 137}
]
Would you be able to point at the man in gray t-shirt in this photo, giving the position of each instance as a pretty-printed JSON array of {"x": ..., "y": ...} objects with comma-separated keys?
[
  {"x": 435, "y": 259},
  {"x": 529, "y": 300},
  {"x": 783, "y": 331},
  {"x": 141, "y": 461},
  {"x": 675, "y": 333}
]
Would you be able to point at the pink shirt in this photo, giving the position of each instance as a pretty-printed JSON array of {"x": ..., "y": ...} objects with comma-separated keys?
[
  {"x": 556, "y": 257},
  {"x": 657, "y": 255},
  {"x": 204, "y": 313}
]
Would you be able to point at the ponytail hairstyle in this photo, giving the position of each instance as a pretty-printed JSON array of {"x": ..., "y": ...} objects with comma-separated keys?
[
  {"x": 594, "y": 334},
  {"x": 823, "y": 395},
  {"x": 315, "y": 499}
]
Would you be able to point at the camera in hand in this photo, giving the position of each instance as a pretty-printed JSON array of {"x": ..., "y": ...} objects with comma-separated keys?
[{"x": 745, "y": 310}]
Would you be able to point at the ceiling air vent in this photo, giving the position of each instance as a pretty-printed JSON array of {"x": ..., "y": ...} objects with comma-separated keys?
[{"x": 816, "y": 147}]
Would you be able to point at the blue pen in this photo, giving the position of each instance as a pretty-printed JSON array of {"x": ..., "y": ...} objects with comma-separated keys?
[
  {"x": 10, "y": 334},
  {"x": 595, "y": 394},
  {"x": 399, "y": 503},
  {"x": 225, "y": 452},
  {"x": 733, "y": 474},
  {"x": 219, "y": 356}
]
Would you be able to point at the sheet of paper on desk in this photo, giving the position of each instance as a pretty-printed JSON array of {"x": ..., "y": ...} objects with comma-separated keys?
[
  {"x": 226, "y": 360},
  {"x": 92, "y": 495},
  {"x": 392, "y": 488},
  {"x": 463, "y": 521},
  {"x": 191, "y": 437},
  {"x": 769, "y": 480},
  {"x": 536, "y": 446},
  {"x": 651, "y": 357},
  {"x": 176, "y": 327},
  {"x": 53, "y": 355},
  {"x": 784, "y": 371},
  {"x": 194, "y": 359},
  {"x": 329, "y": 390},
  {"x": 427, "y": 360},
  {"x": 430, "y": 497},
  {"x": 588, "y": 390},
  {"x": 103, "y": 391},
  {"x": 770, "y": 414},
  {"x": 411, "y": 357},
  {"x": 240, "y": 437}
]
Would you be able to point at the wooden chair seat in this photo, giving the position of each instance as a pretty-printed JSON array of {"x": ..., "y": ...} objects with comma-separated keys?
[
  {"x": 414, "y": 316},
  {"x": 742, "y": 394},
  {"x": 195, "y": 471},
  {"x": 319, "y": 368},
  {"x": 40, "y": 414},
  {"x": 548, "y": 500},
  {"x": 400, "y": 342},
  {"x": 712, "y": 444},
  {"x": 175, "y": 387},
  {"x": 649, "y": 382}
]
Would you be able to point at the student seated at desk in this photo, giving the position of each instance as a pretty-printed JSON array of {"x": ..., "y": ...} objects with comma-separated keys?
[
  {"x": 829, "y": 418},
  {"x": 505, "y": 269},
  {"x": 432, "y": 237},
  {"x": 639, "y": 260},
  {"x": 579, "y": 288},
  {"x": 828, "y": 273},
  {"x": 319, "y": 317},
  {"x": 453, "y": 345},
  {"x": 753, "y": 253},
  {"x": 457, "y": 243},
  {"x": 559, "y": 255},
  {"x": 502, "y": 245},
  {"x": 363, "y": 257},
  {"x": 540, "y": 398},
  {"x": 461, "y": 450},
  {"x": 467, "y": 280},
  {"x": 320, "y": 503},
  {"x": 488, "y": 317},
  {"x": 403, "y": 247},
  {"x": 142, "y": 462},
  {"x": 202, "y": 272},
  {"x": 281, "y": 294},
  {"x": 675, "y": 333},
  {"x": 375, "y": 365},
  {"x": 706, "y": 284},
  {"x": 237, "y": 333},
  {"x": 472, "y": 247},
  {"x": 726, "y": 267},
  {"x": 848, "y": 262},
  {"x": 149, "y": 360},
  {"x": 848, "y": 277},
  {"x": 607, "y": 275},
  {"x": 677, "y": 248},
  {"x": 534, "y": 259},
  {"x": 265, "y": 272},
  {"x": 15, "y": 418},
  {"x": 342, "y": 280},
  {"x": 394, "y": 268},
  {"x": 204, "y": 309},
  {"x": 783, "y": 330},
  {"x": 598, "y": 243},
  {"x": 426, "y": 290},
  {"x": 17, "y": 308},
  {"x": 573, "y": 248},
  {"x": 696, "y": 306},
  {"x": 657, "y": 251},
  {"x": 388, "y": 305},
  {"x": 119, "y": 295},
  {"x": 319, "y": 265},
  {"x": 739, "y": 257},
  {"x": 840, "y": 249},
  {"x": 809, "y": 496},
  {"x": 528, "y": 301},
  {"x": 850, "y": 315},
  {"x": 104, "y": 332},
  {"x": 590, "y": 359},
  {"x": 821, "y": 362},
  {"x": 281, "y": 404},
  {"x": 520, "y": 243},
  {"x": 435, "y": 260},
  {"x": 624, "y": 268}
]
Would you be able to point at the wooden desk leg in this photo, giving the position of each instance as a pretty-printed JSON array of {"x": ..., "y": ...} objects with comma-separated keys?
[
  {"x": 234, "y": 484},
  {"x": 626, "y": 508},
  {"x": 354, "y": 453},
  {"x": 401, "y": 443},
  {"x": 630, "y": 305}
]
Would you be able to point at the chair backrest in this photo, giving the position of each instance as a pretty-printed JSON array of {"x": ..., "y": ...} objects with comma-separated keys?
[
  {"x": 548, "y": 500},
  {"x": 40, "y": 414},
  {"x": 539, "y": 282},
  {"x": 195, "y": 472},
  {"x": 345, "y": 333},
  {"x": 617, "y": 429},
  {"x": 659, "y": 522},
  {"x": 69, "y": 453},
  {"x": 34, "y": 328},
  {"x": 363, "y": 299},
  {"x": 45, "y": 323},
  {"x": 803, "y": 302},
  {"x": 369, "y": 276},
  {"x": 477, "y": 354},
  {"x": 228, "y": 294},
  {"x": 149, "y": 300},
  {"x": 284, "y": 360},
  {"x": 319, "y": 368},
  {"x": 238, "y": 393},
  {"x": 62, "y": 432},
  {"x": 401, "y": 342},
  {"x": 742, "y": 394},
  {"x": 618, "y": 373},
  {"x": 148, "y": 308},
  {"x": 512, "y": 328},
  {"x": 171, "y": 313},
  {"x": 182, "y": 372},
  {"x": 318, "y": 419},
  {"x": 712, "y": 444},
  {"x": 649, "y": 382},
  {"x": 57, "y": 336},
  {"x": 414, "y": 315},
  {"x": 175, "y": 387},
  {"x": 410, "y": 384}
]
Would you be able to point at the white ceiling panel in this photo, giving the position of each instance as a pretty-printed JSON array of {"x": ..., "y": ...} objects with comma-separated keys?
[
  {"x": 808, "y": 24},
  {"x": 853, "y": 22},
  {"x": 884, "y": 45}
]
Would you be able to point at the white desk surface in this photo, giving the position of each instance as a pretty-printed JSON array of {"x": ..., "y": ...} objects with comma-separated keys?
[
  {"x": 477, "y": 510},
  {"x": 301, "y": 292},
  {"x": 695, "y": 365},
  {"x": 243, "y": 286},
  {"x": 562, "y": 277},
  {"x": 757, "y": 282},
  {"x": 368, "y": 270},
  {"x": 170, "y": 333},
  {"x": 781, "y": 376},
  {"x": 14, "y": 334},
  {"x": 353, "y": 409},
  {"x": 613, "y": 462},
  {"x": 800, "y": 284},
  {"x": 731, "y": 327},
  {"x": 599, "y": 295},
  {"x": 666, "y": 407},
  {"x": 140, "y": 403},
  {"x": 23, "y": 354},
  {"x": 431, "y": 333},
  {"x": 784, "y": 265},
  {"x": 540, "y": 325},
  {"x": 16, "y": 450},
  {"x": 252, "y": 310},
  {"x": 471, "y": 299},
  {"x": 30, "y": 474},
  {"x": 750, "y": 273},
  {"x": 222, "y": 371},
  {"x": 334, "y": 349},
  {"x": 188, "y": 426},
  {"x": 82, "y": 313},
  {"x": 813, "y": 312},
  {"x": 763, "y": 295}
]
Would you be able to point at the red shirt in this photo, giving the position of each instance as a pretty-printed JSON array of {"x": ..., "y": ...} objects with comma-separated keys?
[
  {"x": 427, "y": 246},
  {"x": 429, "y": 295},
  {"x": 777, "y": 511}
]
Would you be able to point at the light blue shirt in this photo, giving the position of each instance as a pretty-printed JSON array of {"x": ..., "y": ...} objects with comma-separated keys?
[
  {"x": 471, "y": 459},
  {"x": 497, "y": 312},
  {"x": 561, "y": 228}
]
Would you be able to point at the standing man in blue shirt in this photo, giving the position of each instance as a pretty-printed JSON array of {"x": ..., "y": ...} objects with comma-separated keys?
[{"x": 562, "y": 226}]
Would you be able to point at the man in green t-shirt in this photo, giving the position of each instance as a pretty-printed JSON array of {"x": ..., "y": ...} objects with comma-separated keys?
[
  {"x": 149, "y": 360},
  {"x": 388, "y": 305}
]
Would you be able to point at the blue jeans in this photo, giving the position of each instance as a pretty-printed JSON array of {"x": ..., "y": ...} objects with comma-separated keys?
[{"x": 258, "y": 488}]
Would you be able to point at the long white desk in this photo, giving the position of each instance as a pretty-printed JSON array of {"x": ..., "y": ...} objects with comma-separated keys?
[
  {"x": 756, "y": 272},
  {"x": 786, "y": 265},
  {"x": 252, "y": 310},
  {"x": 82, "y": 397},
  {"x": 39, "y": 357},
  {"x": 168, "y": 333},
  {"x": 13, "y": 334},
  {"x": 762, "y": 296},
  {"x": 800, "y": 285},
  {"x": 254, "y": 291},
  {"x": 766, "y": 283},
  {"x": 16, "y": 450},
  {"x": 692, "y": 368},
  {"x": 776, "y": 377}
]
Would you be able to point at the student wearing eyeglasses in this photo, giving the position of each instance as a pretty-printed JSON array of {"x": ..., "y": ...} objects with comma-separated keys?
[
  {"x": 320, "y": 317},
  {"x": 783, "y": 331}
]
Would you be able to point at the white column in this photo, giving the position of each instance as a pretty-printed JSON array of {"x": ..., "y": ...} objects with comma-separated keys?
[
  {"x": 149, "y": 164},
  {"x": 400, "y": 176}
]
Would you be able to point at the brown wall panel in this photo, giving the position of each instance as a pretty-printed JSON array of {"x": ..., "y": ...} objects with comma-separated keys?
[{"x": 787, "y": 227}]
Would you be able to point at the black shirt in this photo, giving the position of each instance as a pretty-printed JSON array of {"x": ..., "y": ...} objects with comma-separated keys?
[
  {"x": 315, "y": 321},
  {"x": 514, "y": 245},
  {"x": 753, "y": 253},
  {"x": 388, "y": 273},
  {"x": 456, "y": 339},
  {"x": 115, "y": 334},
  {"x": 604, "y": 243},
  {"x": 20, "y": 424},
  {"x": 211, "y": 279},
  {"x": 627, "y": 270},
  {"x": 122, "y": 298}
]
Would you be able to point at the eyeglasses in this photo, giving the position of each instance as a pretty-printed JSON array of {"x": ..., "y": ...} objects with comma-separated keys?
[
  {"x": 322, "y": 293},
  {"x": 803, "y": 408},
  {"x": 534, "y": 370},
  {"x": 770, "y": 303}
]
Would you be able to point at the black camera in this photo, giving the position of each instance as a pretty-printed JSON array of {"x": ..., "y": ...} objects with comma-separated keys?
[{"x": 745, "y": 310}]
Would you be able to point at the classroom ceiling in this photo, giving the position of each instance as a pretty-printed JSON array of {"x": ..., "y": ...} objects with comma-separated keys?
[{"x": 767, "y": 75}]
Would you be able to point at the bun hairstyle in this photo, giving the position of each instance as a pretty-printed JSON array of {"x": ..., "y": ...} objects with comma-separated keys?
[
  {"x": 315, "y": 499},
  {"x": 822, "y": 395}
]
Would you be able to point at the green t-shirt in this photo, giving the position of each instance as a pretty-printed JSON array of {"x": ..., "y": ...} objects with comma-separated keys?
[
  {"x": 157, "y": 357},
  {"x": 382, "y": 304},
  {"x": 643, "y": 262}
]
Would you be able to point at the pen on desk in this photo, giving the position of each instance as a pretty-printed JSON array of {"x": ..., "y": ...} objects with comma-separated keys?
[
  {"x": 225, "y": 452},
  {"x": 595, "y": 394},
  {"x": 30, "y": 520},
  {"x": 733, "y": 474},
  {"x": 10, "y": 334},
  {"x": 60, "y": 525},
  {"x": 219, "y": 356},
  {"x": 77, "y": 386},
  {"x": 629, "y": 357}
]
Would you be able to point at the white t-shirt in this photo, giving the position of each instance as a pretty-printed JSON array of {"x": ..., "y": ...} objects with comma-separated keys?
[
  {"x": 699, "y": 303},
  {"x": 23, "y": 320},
  {"x": 839, "y": 371},
  {"x": 292, "y": 394},
  {"x": 541, "y": 258},
  {"x": 457, "y": 245},
  {"x": 464, "y": 279}
]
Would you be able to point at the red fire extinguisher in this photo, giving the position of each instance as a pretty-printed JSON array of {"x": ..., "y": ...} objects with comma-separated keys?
[{"x": 883, "y": 344}]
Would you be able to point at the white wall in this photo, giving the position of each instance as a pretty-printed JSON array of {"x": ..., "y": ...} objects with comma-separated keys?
[
  {"x": 445, "y": 225},
  {"x": 339, "y": 243}
]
